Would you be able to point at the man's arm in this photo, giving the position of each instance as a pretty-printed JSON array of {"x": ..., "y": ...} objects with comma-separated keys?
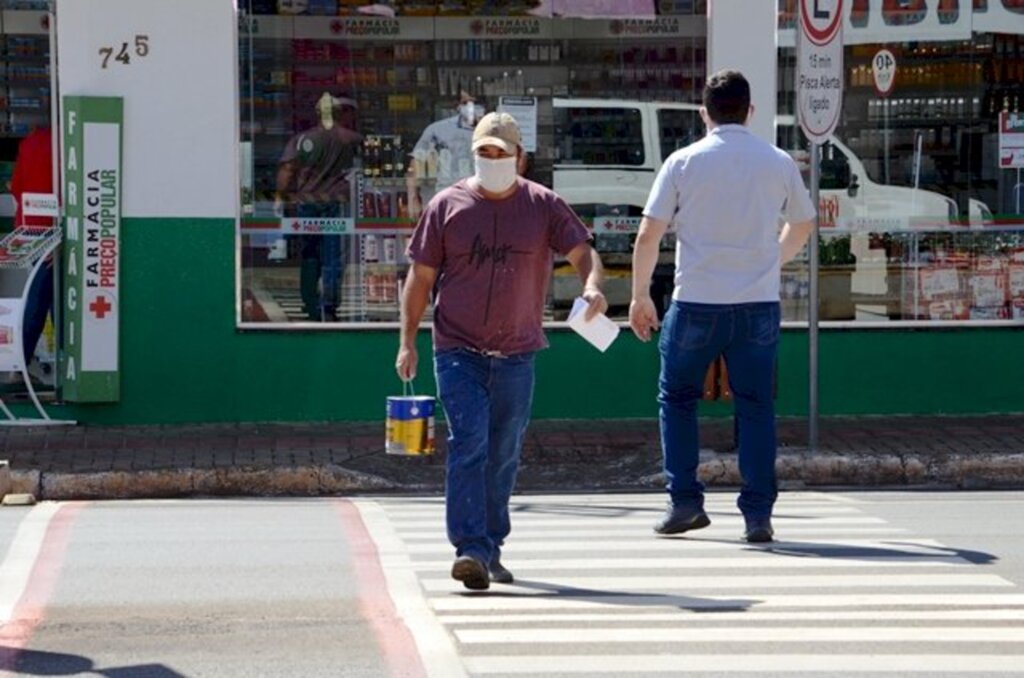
[
  {"x": 643, "y": 317},
  {"x": 792, "y": 239},
  {"x": 587, "y": 263},
  {"x": 412, "y": 190},
  {"x": 415, "y": 297},
  {"x": 285, "y": 174}
]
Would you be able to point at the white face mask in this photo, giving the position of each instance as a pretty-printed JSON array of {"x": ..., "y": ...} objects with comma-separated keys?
[
  {"x": 495, "y": 175},
  {"x": 470, "y": 113}
]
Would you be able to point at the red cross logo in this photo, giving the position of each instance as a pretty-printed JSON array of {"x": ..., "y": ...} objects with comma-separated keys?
[{"x": 100, "y": 307}]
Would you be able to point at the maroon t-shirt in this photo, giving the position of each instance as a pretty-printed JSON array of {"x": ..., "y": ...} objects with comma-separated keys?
[
  {"x": 494, "y": 260},
  {"x": 323, "y": 159}
]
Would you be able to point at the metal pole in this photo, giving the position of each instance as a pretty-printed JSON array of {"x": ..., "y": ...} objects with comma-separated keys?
[
  {"x": 885, "y": 134},
  {"x": 812, "y": 308},
  {"x": 55, "y": 151}
]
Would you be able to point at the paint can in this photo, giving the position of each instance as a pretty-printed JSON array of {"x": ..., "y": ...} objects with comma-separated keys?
[{"x": 410, "y": 425}]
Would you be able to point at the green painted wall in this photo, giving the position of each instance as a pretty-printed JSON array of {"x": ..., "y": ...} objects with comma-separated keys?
[{"x": 183, "y": 360}]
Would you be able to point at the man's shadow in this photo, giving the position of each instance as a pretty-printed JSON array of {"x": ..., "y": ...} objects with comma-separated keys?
[
  {"x": 41, "y": 663},
  {"x": 551, "y": 591},
  {"x": 894, "y": 550}
]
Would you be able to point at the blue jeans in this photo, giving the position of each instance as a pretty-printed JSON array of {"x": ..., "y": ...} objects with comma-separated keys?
[
  {"x": 323, "y": 261},
  {"x": 38, "y": 305},
  {"x": 692, "y": 337},
  {"x": 487, "y": 404}
]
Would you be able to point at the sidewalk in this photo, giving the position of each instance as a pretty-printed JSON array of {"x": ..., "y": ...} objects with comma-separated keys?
[{"x": 100, "y": 462}]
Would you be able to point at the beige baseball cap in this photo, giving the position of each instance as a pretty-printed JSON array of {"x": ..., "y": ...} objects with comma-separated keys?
[{"x": 497, "y": 129}]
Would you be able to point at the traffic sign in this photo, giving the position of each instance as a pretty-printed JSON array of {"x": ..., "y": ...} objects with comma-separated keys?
[
  {"x": 883, "y": 68},
  {"x": 819, "y": 57}
]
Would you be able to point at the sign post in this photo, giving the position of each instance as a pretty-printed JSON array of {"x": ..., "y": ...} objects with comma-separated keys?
[
  {"x": 883, "y": 69},
  {"x": 90, "y": 362},
  {"x": 819, "y": 88}
]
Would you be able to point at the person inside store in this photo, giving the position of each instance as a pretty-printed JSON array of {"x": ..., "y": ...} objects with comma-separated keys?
[
  {"x": 315, "y": 180},
  {"x": 487, "y": 244},
  {"x": 443, "y": 154},
  {"x": 33, "y": 173},
  {"x": 723, "y": 196}
]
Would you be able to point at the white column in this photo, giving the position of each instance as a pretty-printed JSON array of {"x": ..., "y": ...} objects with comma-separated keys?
[
  {"x": 742, "y": 36},
  {"x": 175, "y": 64}
]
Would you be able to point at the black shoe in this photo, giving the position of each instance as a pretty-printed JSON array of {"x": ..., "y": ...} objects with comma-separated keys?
[
  {"x": 471, "y": 572},
  {"x": 678, "y": 519},
  {"x": 759, "y": 530},
  {"x": 499, "y": 575}
]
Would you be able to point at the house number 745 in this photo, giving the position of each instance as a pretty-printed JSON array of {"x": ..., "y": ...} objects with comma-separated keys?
[{"x": 124, "y": 53}]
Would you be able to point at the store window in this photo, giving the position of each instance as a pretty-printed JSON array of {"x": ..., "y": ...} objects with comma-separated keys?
[
  {"x": 27, "y": 272},
  {"x": 354, "y": 114},
  {"x": 920, "y": 211}
]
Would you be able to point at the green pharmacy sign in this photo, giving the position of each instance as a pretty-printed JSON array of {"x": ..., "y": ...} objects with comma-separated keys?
[{"x": 92, "y": 164}]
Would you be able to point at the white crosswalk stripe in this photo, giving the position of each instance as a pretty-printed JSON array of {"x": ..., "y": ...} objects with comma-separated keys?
[{"x": 841, "y": 592}]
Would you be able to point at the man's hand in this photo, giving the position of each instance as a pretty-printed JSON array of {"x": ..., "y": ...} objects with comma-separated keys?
[
  {"x": 406, "y": 363},
  {"x": 596, "y": 303},
  {"x": 643, "y": 318},
  {"x": 278, "y": 208}
]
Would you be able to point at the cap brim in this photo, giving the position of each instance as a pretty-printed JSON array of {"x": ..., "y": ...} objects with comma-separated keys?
[{"x": 509, "y": 148}]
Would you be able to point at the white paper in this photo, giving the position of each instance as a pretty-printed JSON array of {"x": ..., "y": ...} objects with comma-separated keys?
[{"x": 599, "y": 330}]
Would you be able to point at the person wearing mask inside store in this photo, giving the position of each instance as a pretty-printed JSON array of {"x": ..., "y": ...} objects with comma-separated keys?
[
  {"x": 724, "y": 197},
  {"x": 314, "y": 181},
  {"x": 33, "y": 173},
  {"x": 486, "y": 245},
  {"x": 443, "y": 154}
]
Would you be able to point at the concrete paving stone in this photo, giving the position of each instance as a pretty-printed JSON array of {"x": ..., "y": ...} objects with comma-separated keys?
[
  {"x": 977, "y": 452},
  {"x": 365, "y": 441},
  {"x": 224, "y": 459}
]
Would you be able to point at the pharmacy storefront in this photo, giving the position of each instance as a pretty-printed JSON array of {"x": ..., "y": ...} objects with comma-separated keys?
[{"x": 274, "y": 157}]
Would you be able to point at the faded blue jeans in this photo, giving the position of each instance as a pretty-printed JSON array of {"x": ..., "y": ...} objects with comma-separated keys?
[
  {"x": 323, "y": 261},
  {"x": 487, "y": 404},
  {"x": 692, "y": 337}
]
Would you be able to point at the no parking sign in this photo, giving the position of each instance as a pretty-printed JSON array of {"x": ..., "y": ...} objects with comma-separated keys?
[{"x": 819, "y": 56}]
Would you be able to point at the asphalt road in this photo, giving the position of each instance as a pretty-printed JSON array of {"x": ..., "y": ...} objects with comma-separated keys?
[{"x": 857, "y": 584}]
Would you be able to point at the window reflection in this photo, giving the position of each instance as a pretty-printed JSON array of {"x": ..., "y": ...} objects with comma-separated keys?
[
  {"x": 918, "y": 222},
  {"x": 604, "y": 92}
]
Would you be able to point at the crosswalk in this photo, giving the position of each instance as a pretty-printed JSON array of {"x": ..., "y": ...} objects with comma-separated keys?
[{"x": 841, "y": 593}]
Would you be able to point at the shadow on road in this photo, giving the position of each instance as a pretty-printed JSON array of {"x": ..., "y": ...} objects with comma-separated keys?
[
  {"x": 888, "y": 550},
  {"x": 627, "y": 598},
  {"x": 581, "y": 510},
  {"x": 41, "y": 663}
]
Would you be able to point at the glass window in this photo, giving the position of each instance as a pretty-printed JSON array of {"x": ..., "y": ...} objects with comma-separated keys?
[
  {"x": 918, "y": 220},
  {"x": 352, "y": 122},
  {"x": 594, "y": 136},
  {"x": 678, "y": 128}
]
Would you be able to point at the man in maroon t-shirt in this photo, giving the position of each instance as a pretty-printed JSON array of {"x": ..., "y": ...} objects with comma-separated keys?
[
  {"x": 487, "y": 243},
  {"x": 315, "y": 176}
]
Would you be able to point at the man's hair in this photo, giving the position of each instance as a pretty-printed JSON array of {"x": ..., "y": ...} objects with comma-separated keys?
[{"x": 727, "y": 97}]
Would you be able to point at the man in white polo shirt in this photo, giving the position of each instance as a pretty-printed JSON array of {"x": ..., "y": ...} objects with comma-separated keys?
[{"x": 724, "y": 196}]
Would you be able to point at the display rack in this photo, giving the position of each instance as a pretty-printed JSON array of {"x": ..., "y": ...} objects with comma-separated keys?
[{"x": 23, "y": 253}]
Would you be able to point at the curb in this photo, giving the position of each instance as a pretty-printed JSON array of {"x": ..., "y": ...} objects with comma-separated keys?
[{"x": 795, "y": 471}]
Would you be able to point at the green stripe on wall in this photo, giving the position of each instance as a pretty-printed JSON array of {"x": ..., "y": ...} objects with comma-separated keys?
[{"x": 183, "y": 359}]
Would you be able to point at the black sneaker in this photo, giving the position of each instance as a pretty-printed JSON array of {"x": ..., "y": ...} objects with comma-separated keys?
[
  {"x": 679, "y": 519},
  {"x": 471, "y": 572},
  {"x": 499, "y": 575},
  {"x": 759, "y": 530}
]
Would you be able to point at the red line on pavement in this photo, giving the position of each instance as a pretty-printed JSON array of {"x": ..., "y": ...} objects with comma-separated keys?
[
  {"x": 375, "y": 604},
  {"x": 29, "y": 611}
]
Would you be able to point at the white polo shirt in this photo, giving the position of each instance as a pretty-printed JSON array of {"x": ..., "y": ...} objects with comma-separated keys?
[{"x": 723, "y": 196}]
